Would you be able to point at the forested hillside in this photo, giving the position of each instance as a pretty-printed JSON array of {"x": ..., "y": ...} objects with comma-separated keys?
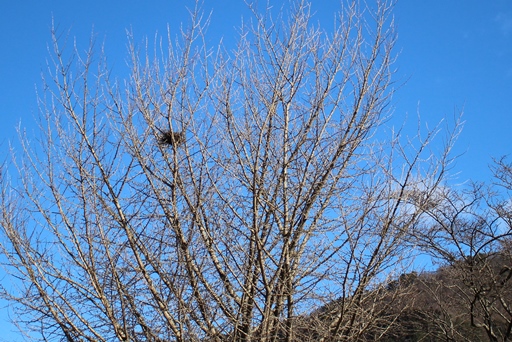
[{"x": 468, "y": 300}]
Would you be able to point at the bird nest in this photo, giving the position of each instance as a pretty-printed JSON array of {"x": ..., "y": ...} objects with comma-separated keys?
[{"x": 171, "y": 138}]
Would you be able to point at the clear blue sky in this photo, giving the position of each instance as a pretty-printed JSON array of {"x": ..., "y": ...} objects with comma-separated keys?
[{"x": 454, "y": 54}]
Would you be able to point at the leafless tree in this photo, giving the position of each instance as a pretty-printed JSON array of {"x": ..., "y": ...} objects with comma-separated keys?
[
  {"x": 217, "y": 196},
  {"x": 469, "y": 232}
]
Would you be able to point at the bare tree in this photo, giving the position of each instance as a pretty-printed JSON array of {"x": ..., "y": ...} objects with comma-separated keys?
[
  {"x": 217, "y": 196},
  {"x": 469, "y": 232}
]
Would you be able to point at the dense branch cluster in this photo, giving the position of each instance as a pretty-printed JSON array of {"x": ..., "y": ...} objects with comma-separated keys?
[{"x": 275, "y": 207}]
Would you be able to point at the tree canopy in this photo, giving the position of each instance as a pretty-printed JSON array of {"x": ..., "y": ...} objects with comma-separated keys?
[{"x": 246, "y": 195}]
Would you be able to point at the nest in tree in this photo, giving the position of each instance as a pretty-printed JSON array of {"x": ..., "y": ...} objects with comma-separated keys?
[{"x": 171, "y": 138}]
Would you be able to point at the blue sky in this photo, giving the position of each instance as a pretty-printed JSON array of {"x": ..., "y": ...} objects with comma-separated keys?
[{"x": 454, "y": 55}]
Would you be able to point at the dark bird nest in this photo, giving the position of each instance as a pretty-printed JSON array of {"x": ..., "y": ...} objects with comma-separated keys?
[{"x": 171, "y": 138}]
